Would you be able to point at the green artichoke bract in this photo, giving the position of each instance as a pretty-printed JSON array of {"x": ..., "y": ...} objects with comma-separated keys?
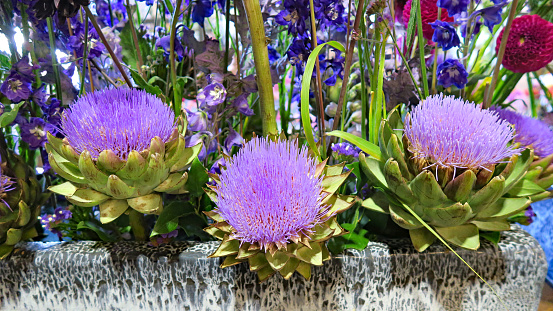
[
  {"x": 21, "y": 198},
  {"x": 116, "y": 158},
  {"x": 453, "y": 168},
  {"x": 276, "y": 209}
]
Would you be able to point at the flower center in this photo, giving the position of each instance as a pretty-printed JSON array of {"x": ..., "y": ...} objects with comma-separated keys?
[
  {"x": 38, "y": 132},
  {"x": 521, "y": 40},
  {"x": 15, "y": 85},
  {"x": 292, "y": 17}
]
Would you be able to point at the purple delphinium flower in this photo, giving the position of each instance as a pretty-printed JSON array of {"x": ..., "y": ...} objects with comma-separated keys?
[
  {"x": 346, "y": 149},
  {"x": 294, "y": 15},
  {"x": 233, "y": 139},
  {"x": 49, "y": 222},
  {"x": 197, "y": 121},
  {"x": 121, "y": 120},
  {"x": 94, "y": 45},
  {"x": 330, "y": 13},
  {"x": 273, "y": 54},
  {"x": 530, "y": 215},
  {"x": 34, "y": 132},
  {"x": 39, "y": 95},
  {"x": 445, "y": 35},
  {"x": 452, "y": 72},
  {"x": 211, "y": 96},
  {"x": 52, "y": 111},
  {"x": 24, "y": 69},
  {"x": 453, "y": 7},
  {"x": 270, "y": 194},
  {"x": 217, "y": 165},
  {"x": 455, "y": 133},
  {"x": 201, "y": 10},
  {"x": 165, "y": 44},
  {"x": 242, "y": 105},
  {"x": 336, "y": 66},
  {"x": 118, "y": 9},
  {"x": 491, "y": 15},
  {"x": 530, "y": 132},
  {"x": 16, "y": 88}
]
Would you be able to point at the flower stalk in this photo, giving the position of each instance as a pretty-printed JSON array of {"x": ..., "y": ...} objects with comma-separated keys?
[
  {"x": 54, "y": 59},
  {"x": 177, "y": 102},
  {"x": 262, "y": 67},
  {"x": 138, "y": 225},
  {"x": 489, "y": 96},
  {"x": 318, "y": 82}
]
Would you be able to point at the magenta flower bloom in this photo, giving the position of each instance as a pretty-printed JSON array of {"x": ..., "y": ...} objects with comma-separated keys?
[
  {"x": 530, "y": 132},
  {"x": 269, "y": 193},
  {"x": 121, "y": 120},
  {"x": 454, "y": 133}
]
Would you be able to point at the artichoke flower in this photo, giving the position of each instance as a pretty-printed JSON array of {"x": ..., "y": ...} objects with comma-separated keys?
[
  {"x": 453, "y": 168},
  {"x": 20, "y": 200},
  {"x": 537, "y": 135},
  {"x": 122, "y": 149},
  {"x": 276, "y": 209}
]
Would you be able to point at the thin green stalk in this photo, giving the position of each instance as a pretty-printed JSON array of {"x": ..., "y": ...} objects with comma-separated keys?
[
  {"x": 533, "y": 106},
  {"x": 135, "y": 40},
  {"x": 502, "y": 47},
  {"x": 138, "y": 225},
  {"x": 424, "y": 78},
  {"x": 435, "y": 65},
  {"x": 177, "y": 102},
  {"x": 227, "y": 35},
  {"x": 363, "y": 92},
  {"x": 85, "y": 52},
  {"x": 544, "y": 88},
  {"x": 262, "y": 67},
  {"x": 54, "y": 59},
  {"x": 107, "y": 46},
  {"x": 318, "y": 80},
  {"x": 110, "y": 14}
]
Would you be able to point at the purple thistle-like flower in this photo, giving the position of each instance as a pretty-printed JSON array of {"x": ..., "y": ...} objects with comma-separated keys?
[
  {"x": 452, "y": 72},
  {"x": 530, "y": 132},
  {"x": 269, "y": 193},
  {"x": 451, "y": 132},
  {"x": 121, "y": 120}
]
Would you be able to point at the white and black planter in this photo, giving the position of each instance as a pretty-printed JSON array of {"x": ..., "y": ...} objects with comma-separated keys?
[{"x": 388, "y": 275}]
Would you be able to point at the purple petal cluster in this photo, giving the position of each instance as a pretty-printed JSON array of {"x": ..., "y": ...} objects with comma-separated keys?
[
  {"x": 346, "y": 149},
  {"x": 451, "y": 132},
  {"x": 17, "y": 86},
  {"x": 269, "y": 193},
  {"x": 530, "y": 132},
  {"x": 121, "y": 120},
  {"x": 34, "y": 131},
  {"x": 49, "y": 222},
  {"x": 445, "y": 35},
  {"x": 452, "y": 72}
]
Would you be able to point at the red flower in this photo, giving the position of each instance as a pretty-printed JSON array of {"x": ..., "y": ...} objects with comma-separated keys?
[
  {"x": 530, "y": 44},
  {"x": 429, "y": 11}
]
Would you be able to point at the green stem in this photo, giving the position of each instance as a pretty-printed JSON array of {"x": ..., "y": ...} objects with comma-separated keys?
[
  {"x": 262, "y": 67},
  {"x": 54, "y": 59},
  {"x": 138, "y": 225},
  {"x": 533, "y": 106},
  {"x": 435, "y": 65},
  {"x": 107, "y": 46},
  {"x": 135, "y": 40},
  {"x": 424, "y": 78},
  {"x": 85, "y": 52},
  {"x": 502, "y": 46},
  {"x": 318, "y": 80},
  {"x": 177, "y": 102}
]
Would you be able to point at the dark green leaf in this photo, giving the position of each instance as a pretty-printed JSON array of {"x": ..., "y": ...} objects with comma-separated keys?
[
  {"x": 194, "y": 226},
  {"x": 149, "y": 88},
  {"x": 99, "y": 230},
  {"x": 197, "y": 178},
  {"x": 168, "y": 219},
  {"x": 492, "y": 236}
]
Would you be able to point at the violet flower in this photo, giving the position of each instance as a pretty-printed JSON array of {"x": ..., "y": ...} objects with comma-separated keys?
[
  {"x": 491, "y": 15},
  {"x": 270, "y": 193},
  {"x": 34, "y": 132},
  {"x": 201, "y": 10},
  {"x": 455, "y": 133},
  {"x": 346, "y": 149},
  {"x": 530, "y": 132},
  {"x": 294, "y": 15},
  {"x": 165, "y": 44},
  {"x": 452, "y": 72},
  {"x": 233, "y": 139},
  {"x": 197, "y": 121},
  {"x": 445, "y": 35},
  {"x": 453, "y": 7},
  {"x": 49, "y": 222},
  {"x": 121, "y": 120},
  {"x": 241, "y": 104},
  {"x": 16, "y": 88},
  {"x": 94, "y": 45},
  {"x": 211, "y": 96}
]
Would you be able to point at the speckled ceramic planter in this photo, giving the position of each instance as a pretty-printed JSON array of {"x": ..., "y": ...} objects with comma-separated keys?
[{"x": 388, "y": 275}]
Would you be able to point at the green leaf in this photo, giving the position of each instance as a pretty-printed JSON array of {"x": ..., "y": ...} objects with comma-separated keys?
[
  {"x": 197, "y": 178},
  {"x": 492, "y": 236},
  {"x": 504, "y": 207},
  {"x": 193, "y": 226},
  {"x": 524, "y": 188},
  {"x": 128, "y": 48},
  {"x": 421, "y": 46},
  {"x": 99, "y": 230},
  {"x": 313, "y": 255},
  {"x": 278, "y": 260},
  {"x": 421, "y": 238},
  {"x": 168, "y": 219},
  {"x": 365, "y": 145},
  {"x": 305, "y": 85},
  {"x": 411, "y": 25},
  {"x": 149, "y": 88},
  {"x": 9, "y": 116},
  {"x": 465, "y": 236}
]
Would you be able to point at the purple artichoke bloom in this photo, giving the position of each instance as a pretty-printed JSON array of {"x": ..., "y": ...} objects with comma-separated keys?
[
  {"x": 165, "y": 44},
  {"x": 491, "y": 15},
  {"x": 121, "y": 120},
  {"x": 294, "y": 15},
  {"x": 211, "y": 96},
  {"x": 6, "y": 185},
  {"x": 269, "y": 193},
  {"x": 34, "y": 132},
  {"x": 346, "y": 149},
  {"x": 197, "y": 121},
  {"x": 233, "y": 139},
  {"x": 445, "y": 35},
  {"x": 453, "y": 7},
  {"x": 242, "y": 105},
  {"x": 530, "y": 132},
  {"x": 452, "y": 72},
  {"x": 201, "y": 10},
  {"x": 16, "y": 88},
  {"x": 455, "y": 133}
]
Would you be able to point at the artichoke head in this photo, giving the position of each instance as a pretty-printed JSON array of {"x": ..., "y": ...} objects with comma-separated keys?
[
  {"x": 296, "y": 255},
  {"x": 457, "y": 203},
  {"x": 20, "y": 204},
  {"x": 117, "y": 184}
]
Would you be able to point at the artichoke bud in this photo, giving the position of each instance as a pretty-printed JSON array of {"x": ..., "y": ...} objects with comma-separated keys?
[
  {"x": 108, "y": 161},
  {"x": 484, "y": 175}
]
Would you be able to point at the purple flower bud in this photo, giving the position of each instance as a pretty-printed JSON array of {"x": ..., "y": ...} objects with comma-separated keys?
[
  {"x": 242, "y": 105},
  {"x": 233, "y": 139}
]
